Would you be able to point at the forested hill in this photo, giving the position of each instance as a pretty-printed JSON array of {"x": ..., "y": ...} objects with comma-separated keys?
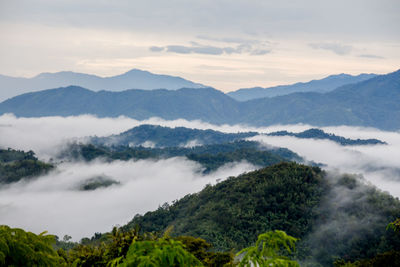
[
  {"x": 16, "y": 165},
  {"x": 330, "y": 215},
  {"x": 158, "y": 136},
  {"x": 320, "y": 134},
  {"x": 210, "y": 157},
  {"x": 373, "y": 103}
]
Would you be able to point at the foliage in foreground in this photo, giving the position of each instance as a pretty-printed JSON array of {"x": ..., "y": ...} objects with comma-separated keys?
[
  {"x": 267, "y": 251},
  {"x": 129, "y": 248},
  {"x": 159, "y": 253},
  {"x": 124, "y": 249},
  {"x": 20, "y": 248}
]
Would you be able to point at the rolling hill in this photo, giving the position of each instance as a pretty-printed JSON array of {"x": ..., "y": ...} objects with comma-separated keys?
[{"x": 334, "y": 217}]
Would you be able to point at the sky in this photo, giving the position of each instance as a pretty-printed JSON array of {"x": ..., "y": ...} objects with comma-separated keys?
[{"x": 224, "y": 44}]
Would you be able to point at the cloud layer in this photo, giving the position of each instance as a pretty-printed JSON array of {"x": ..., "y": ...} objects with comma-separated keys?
[
  {"x": 111, "y": 37},
  {"x": 336, "y": 48},
  {"x": 244, "y": 47},
  {"x": 53, "y": 203},
  {"x": 48, "y": 135},
  {"x": 379, "y": 164}
]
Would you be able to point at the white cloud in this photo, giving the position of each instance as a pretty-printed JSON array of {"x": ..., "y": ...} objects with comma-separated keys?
[
  {"x": 336, "y": 48},
  {"x": 47, "y": 135},
  {"x": 379, "y": 164},
  {"x": 49, "y": 203},
  {"x": 112, "y": 37}
]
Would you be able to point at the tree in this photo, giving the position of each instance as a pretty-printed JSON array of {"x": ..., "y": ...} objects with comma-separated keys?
[
  {"x": 267, "y": 251},
  {"x": 20, "y": 248},
  {"x": 159, "y": 253}
]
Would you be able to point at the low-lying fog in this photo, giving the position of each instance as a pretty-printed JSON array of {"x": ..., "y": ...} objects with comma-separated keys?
[{"x": 54, "y": 203}]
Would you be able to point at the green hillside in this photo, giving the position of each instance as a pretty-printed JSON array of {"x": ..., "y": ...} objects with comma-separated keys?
[
  {"x": 300, "y": 200},
  {"x": 16, "y": 165}
]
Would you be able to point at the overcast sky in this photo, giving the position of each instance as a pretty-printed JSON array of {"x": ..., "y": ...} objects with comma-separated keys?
[{"x": 225, "y": 44}]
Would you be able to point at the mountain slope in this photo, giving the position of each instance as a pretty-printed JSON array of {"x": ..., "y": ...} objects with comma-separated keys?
[
  {"x": 321, "y": 86},
  {"x": 232, "y": 213},
  {"x": 373, "y": 103},
  {"x": 205, "y": 103},
  {"x": 133, "y": 79},
  {"x": 333, "y": 216}
]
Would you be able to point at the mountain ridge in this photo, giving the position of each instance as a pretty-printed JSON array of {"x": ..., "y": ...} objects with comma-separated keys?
[
  {"x": 342, "y": 106},
  {"x": 323, "y": 85},
  {"x": 371, "y": 103},
  {"x": 161, "y": 136},
  {"x": 132, "y": 79},
  {"x": 74, "y": 100}
]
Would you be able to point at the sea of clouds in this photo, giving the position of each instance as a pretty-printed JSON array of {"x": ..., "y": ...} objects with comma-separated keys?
[{"x": 52, "y": 202}]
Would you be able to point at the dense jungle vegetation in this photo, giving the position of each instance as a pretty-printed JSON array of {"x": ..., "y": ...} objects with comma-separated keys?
[
  {"x": 130, "y": 248},
  {"x": 16, "y": 164},
  {"x": 303, "y": 201}
]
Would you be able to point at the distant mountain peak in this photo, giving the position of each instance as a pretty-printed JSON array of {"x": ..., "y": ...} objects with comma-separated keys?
[
  {"x": 132, "y": 79},
  {"x": 371, "y": 103},
  {"x": 136, "y": 71},
  {"x": 324, "y": 85}
]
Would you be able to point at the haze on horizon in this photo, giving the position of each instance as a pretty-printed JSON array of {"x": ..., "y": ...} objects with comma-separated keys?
[{"x": 224, "y": 44}]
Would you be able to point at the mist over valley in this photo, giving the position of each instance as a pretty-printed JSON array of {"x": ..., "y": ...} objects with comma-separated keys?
[{"x": 200, "y": 133}]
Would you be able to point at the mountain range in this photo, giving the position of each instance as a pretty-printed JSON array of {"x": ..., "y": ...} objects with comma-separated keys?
[
  {"x": 374, "y": 103},
  {"x": 320, "y": 86},
  {"x": 133, "y": 79},
  {"x": 205, "y": 104}
]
